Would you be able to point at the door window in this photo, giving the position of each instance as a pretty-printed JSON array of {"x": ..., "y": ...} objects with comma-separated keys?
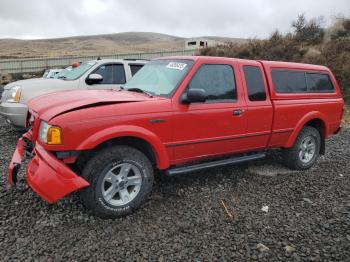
[
  {"x": 217, "y": 81},
  {"x": 118, "y": 74},
  {"x": 112, "y": 74},
  {"x": 135, "y": 68},
  {"x": 106, "y": 71}
]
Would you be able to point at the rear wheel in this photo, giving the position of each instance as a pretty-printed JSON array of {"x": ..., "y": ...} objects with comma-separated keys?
[
  {"x": 121, "y": 179},
  {"x": 305, "y": 151}
]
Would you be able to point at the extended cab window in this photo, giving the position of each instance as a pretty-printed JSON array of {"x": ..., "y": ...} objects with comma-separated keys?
[
  {"x": 255, "y": 83},
  {"x": 288, "y": 81},
  {"x": 319, "y": 83},
  {"x": 217, "y": 81},
  {"x": 112, "y": 74},
  {"x": 135, "y": 68}
]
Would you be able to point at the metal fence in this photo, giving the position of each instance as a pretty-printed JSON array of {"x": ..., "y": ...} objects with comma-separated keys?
[{"x": 28, "y": 65}]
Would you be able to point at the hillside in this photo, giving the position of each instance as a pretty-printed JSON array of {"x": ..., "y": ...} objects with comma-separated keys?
[{"x": 128, "y": 42}]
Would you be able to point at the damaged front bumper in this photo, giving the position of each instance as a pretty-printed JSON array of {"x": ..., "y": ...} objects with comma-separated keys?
[{"x": 46, "y": 175}]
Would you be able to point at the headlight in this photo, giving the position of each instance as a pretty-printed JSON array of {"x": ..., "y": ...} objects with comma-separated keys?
[
  {"x": 14, "y": 94},
  {"x": 51, "y": 135}
]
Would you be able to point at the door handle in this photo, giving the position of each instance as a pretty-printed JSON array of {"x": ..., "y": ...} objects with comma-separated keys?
[{"x": 238, "y": 112}]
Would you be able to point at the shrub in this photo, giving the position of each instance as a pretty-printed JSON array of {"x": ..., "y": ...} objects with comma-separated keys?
[
  {"x": 310, "y": 32},
  {"x": 342, "y": 31}
]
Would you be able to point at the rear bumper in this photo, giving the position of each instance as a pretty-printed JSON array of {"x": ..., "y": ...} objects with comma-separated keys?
[
  {"x": 15, "y": 113},
  {"x": 46, "y": 175}
]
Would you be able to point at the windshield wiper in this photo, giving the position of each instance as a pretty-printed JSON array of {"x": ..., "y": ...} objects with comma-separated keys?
[
  {"x": 139, "y": 90},
  {"x": 62, "y": 77}
]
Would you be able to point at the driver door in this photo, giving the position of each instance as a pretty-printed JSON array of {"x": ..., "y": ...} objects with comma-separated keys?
[{"x": 216, "y": 126}]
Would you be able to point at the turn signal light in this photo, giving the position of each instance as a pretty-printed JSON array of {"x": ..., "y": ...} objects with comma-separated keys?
[
  {"x": 17, "y": 95},
  {"x": 54, "y": 136}
]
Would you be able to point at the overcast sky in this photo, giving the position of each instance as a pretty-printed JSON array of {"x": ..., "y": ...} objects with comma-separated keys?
[{"x": 28, "y": 19}]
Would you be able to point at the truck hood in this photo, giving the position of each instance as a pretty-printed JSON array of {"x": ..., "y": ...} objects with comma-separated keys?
[
  {"x": 30, "y": 82},
  {"x": 50, "y": 105},
  {"x": 38, "y": 86}
]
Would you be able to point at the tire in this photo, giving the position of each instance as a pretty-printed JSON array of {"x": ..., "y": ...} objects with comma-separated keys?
[
  {"x": 299, "y": 157},
  {"x": 121, "y": 180}
]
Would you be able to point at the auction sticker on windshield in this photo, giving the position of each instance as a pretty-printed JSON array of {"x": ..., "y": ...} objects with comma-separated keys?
[{"x": 176, "y": 65}]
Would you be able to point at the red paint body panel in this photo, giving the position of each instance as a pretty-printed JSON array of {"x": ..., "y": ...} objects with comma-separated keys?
[
  {"x": 292, "y": 111},
  {"x": 18, "y": 155},
  {"x": 259, "y": 113},
  {"x": 16, "y": 159},
  {"x": 52, "y": 104},
  {"x": 207, "y": 129},
  {"x": 50, "y": 178},
  {"x": 177, "y": 133}
]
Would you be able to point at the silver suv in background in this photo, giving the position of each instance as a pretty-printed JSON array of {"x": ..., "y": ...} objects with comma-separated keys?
[{"x": 96, "y": 74}]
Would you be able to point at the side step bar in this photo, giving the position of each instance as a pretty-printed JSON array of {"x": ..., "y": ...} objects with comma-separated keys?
[{"x": 217, "y": 163}]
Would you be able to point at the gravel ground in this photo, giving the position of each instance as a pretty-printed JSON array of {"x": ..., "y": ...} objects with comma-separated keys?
[{"x": 206, "y": 216}]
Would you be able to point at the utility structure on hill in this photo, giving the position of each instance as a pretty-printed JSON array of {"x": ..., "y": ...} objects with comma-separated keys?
[{"x": 197, "y": 43}]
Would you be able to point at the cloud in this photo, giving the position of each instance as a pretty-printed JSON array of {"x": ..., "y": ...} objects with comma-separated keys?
[{"x": 249, "y": 18}]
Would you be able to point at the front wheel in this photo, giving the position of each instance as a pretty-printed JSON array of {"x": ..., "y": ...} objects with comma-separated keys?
[
  {"x": 121, "y": 179},
  {"x": 305, "y": 151}
]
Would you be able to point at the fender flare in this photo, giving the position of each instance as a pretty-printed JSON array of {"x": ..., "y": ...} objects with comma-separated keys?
[
  {"x": 306, "y": 118},
  {"x": 152, "y": 139}
]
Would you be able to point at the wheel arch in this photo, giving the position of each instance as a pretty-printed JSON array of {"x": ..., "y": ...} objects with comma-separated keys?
[
  {"x": 314, "y": 119},
  {"x": 134, "y": 136}
]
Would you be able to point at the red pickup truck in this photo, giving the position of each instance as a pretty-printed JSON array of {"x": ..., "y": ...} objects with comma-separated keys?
[{"x": 178, "y": 115}]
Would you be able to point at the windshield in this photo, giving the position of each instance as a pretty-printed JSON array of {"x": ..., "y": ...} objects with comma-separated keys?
[
  {"x": 46, "y": 73},
  {"x": 71, "y": 73},
  {"x": 160, "y": 77}
]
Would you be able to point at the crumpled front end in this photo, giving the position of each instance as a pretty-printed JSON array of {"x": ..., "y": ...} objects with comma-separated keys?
[
  {"x": 23, "y": 147},
  {"x": 50, "y": 178},
  {"x": 46, "y": 175}
]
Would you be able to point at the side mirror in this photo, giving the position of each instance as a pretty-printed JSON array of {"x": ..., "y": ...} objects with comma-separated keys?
[
  {"x": 94, "y": 79},
  {"x": 193, "y": 95}
]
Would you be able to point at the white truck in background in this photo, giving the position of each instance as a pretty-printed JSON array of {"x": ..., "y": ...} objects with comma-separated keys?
[{"x": 95, "y": 74}]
